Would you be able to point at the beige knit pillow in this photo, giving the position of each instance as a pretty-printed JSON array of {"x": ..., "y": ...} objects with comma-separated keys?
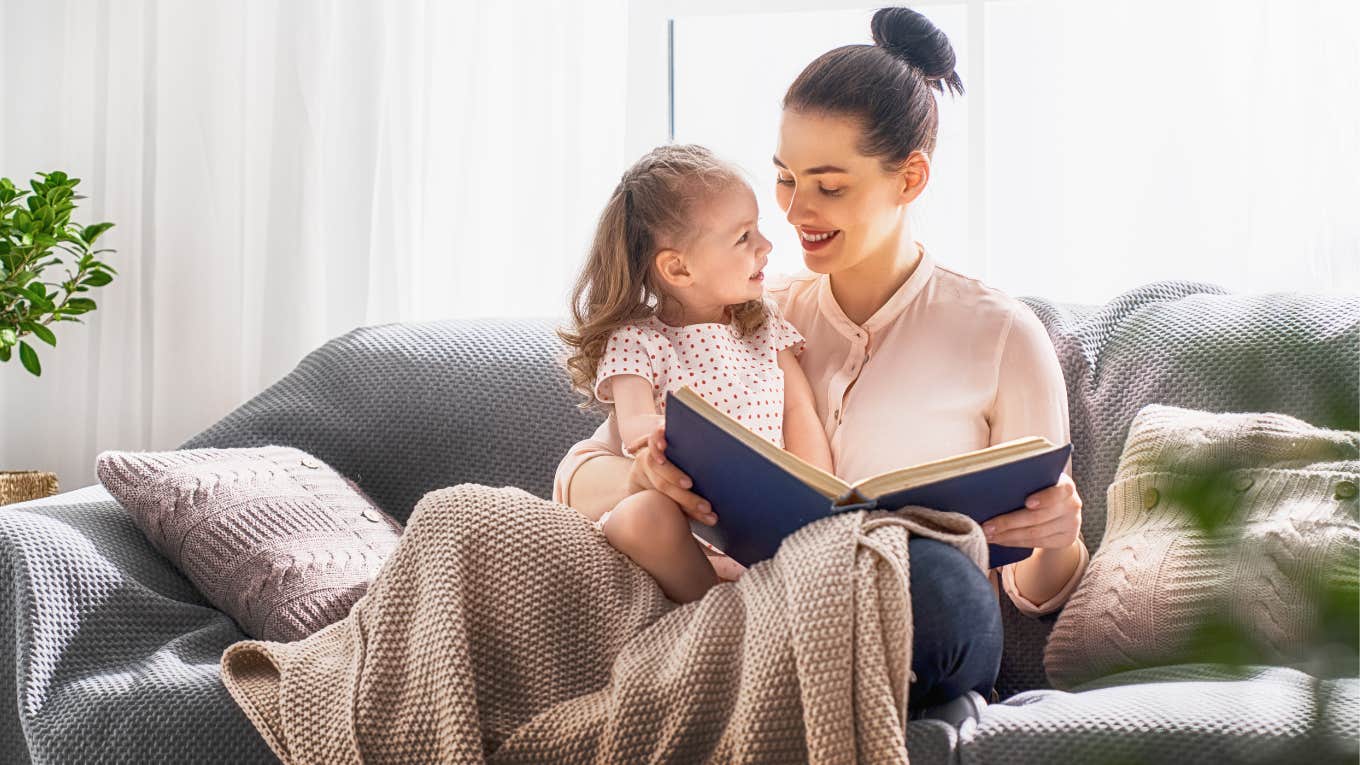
[
  {"x": 271, "y": 535},
  {"x": 1286, "y": 487}
]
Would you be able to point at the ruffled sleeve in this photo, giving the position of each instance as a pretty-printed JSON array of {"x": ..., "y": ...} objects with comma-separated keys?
[
  {"x": 783, "y": 335},
  {"x": 627, "y": 352}
]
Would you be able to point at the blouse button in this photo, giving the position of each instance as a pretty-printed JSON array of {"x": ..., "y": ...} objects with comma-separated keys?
[{"x": 836, "y": 415}]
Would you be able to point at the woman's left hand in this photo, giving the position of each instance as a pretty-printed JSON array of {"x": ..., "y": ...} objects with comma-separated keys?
[{"x": 1051, "y": 518}]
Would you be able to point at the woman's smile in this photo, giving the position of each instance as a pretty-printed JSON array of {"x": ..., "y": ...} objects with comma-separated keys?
[{"x": 816, "y": 239}]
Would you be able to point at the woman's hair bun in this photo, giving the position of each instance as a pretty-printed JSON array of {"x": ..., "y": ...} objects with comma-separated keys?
[{"x": 915, "y": 39}]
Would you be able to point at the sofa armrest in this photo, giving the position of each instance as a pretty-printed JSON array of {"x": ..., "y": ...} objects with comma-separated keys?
[{"x": 110, "y": 654}]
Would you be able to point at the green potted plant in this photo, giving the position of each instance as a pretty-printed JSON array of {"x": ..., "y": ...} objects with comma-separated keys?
[{"x": 35, "y": 229}]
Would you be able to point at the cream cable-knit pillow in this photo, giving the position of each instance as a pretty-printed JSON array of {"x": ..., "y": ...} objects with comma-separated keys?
[
  {"x": 1288, "y": 492},
  {"x": 271, "y": 535}
]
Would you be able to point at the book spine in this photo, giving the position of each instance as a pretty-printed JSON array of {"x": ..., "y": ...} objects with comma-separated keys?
[{"x": 853, "y": 501}]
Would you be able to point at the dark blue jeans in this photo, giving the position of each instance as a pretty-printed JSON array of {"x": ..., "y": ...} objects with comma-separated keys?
[{"x": 957, "y": 625}]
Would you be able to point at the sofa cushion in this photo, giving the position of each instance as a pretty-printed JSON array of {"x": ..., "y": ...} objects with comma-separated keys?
[
  {"x": 1237, "y": 520},
  {"x": 272, "y": 536},
  {"x": 1197, "y": 713},
  {"x": 1190, "y": 345}
]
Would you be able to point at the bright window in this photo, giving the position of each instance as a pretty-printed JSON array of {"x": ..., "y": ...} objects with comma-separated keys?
[{"x": 1100, "y": 145}]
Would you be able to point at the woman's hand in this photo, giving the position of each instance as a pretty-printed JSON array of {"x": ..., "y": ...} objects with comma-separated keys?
[
  {"x": 651, "y": 470},
  {"x": 1051, "y": 518}
]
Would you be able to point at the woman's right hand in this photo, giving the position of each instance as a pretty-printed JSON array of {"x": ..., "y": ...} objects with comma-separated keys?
[{"x": 651, "y": 470}]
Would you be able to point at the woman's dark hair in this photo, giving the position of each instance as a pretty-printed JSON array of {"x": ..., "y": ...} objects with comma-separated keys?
[{"x": 886, "y": 86}]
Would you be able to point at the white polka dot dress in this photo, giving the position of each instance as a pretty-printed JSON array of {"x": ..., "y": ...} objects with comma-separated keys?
[{"x": 739, "y": 375}]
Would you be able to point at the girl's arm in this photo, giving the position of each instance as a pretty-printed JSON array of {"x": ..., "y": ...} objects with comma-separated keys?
[
  {"x": 803, "y": 433},
  {"x": 634, "y": 408},
  {"x": 601, "y": 482}
]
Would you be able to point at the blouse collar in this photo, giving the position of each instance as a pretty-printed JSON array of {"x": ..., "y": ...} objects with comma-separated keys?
[{"x": 889, "y": 311}]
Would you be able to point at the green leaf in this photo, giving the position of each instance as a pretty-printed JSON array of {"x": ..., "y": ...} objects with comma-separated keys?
[
  {"x": 4, "y": 353},
  {"x": 98, "y": 279},
  {"x": 79, "y": 305},
  {"x": 37, "y": 298},
  {"x": 43, "y": 333},
  {"x": 8, "y": 336},
  {"x": 29, "y": 357},
  {"x": 90, "y": 233}
]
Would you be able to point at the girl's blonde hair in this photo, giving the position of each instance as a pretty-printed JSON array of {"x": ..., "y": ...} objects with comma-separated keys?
[{"x": 651, "y": 209}]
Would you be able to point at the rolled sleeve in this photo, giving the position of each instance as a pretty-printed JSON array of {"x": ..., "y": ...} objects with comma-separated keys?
[
  {"x": 603, "y": 443},
  {"x": 1030, "y": 608}
]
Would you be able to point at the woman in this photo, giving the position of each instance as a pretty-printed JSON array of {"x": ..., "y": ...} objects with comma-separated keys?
[{"x": 908, "y": 361}]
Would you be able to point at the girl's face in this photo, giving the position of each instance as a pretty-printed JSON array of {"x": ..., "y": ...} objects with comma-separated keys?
[
  {"x": 845, "y": 205},
  {"x": 724, "y": 263}
]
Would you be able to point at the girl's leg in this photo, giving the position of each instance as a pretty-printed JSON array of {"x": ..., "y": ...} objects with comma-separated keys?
[
  {"x": 956, "y": 622},
  {"x": 652, "y": 530}
]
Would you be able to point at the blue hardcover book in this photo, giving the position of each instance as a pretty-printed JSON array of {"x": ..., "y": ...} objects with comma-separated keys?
[{"x": 762, "y": 493}]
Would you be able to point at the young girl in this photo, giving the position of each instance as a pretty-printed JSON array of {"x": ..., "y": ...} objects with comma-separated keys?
[{"x": 670, "y": 295}]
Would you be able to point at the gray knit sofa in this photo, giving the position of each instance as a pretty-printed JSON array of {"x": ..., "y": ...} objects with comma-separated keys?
[{"x": 110, "y": 655}]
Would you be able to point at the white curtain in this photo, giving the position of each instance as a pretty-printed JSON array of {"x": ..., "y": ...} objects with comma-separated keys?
[{"x": 282, "y": 172}]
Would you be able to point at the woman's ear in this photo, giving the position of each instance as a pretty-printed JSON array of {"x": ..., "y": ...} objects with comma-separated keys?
[
  {"x": 671, "y": 269},
  {"x": 914, "y": 175}
]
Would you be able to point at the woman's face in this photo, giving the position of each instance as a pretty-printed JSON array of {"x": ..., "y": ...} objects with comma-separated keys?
[{"x": 845, "y": 205}]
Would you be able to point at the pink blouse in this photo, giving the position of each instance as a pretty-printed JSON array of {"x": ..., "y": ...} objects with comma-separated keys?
[{"x": 947, "y": 365}]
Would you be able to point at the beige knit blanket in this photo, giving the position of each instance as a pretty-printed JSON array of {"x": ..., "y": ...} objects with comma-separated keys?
[{"x": 506, "y": 628}]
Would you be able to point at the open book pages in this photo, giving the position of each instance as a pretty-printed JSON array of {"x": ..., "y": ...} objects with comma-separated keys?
[{"x": 834, "y": 488}]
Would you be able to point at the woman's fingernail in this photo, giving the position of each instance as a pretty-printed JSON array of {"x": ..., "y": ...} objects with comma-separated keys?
[
  {"x": 685, "y": 482},
  {"x": 989, "y": 531},
  {"x": 1032, "y": 503},
  {"x": 703, "y": 507}
]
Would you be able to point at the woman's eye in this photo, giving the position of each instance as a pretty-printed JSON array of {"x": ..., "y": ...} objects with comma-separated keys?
[
  {"x": 783, "y": 181},
  {"x": 831, "y": 192},
  {"x": 744, "y": 236}
]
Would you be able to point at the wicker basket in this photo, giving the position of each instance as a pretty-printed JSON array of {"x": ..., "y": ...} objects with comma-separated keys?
[{"x": 23, "y": 485}]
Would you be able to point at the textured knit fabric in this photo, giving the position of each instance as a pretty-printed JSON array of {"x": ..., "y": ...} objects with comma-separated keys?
[
  {"x": 738, "y": 375},
  {"x": 110, "y": 655},
  {"x": 507, "y": 627},
  {"x": 1192, "y": 714},
  {"x": 1291, "y": 527},
  {"x": 1193, "y": 346},
  {"x": 272, "y": 536},
  {"x": 947, "y": 365}
]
